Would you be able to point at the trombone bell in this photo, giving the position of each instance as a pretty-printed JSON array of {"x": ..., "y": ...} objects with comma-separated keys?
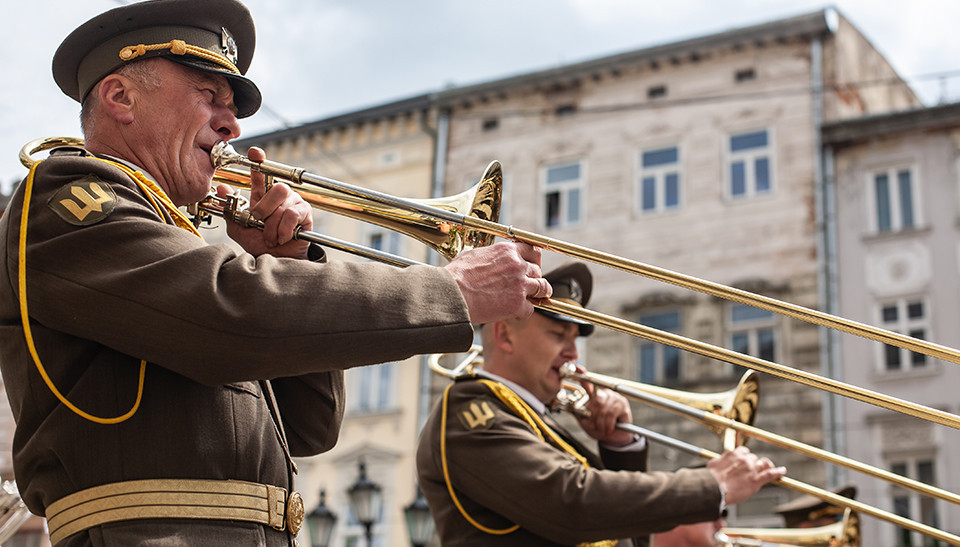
[
  {"x": 738, "y": 403},
  {"x": 843, "y": 533},
  {"x": 482, "y": 201}
]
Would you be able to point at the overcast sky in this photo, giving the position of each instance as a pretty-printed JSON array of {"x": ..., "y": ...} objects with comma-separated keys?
[{"x": 317, "y": 58}]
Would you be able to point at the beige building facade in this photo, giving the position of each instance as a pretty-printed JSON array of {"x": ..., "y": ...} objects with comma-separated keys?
[
  {"x": 390, "y": 149},
  {"x": 897, "y": 192},
  {"x": 700, "y": 157},
  {"x": 703, "y": 157}
]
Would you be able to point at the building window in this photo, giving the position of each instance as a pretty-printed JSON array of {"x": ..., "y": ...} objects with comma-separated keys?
[
  {"x": 659, "y": 182},
  {"x": 907, "y": 316},
  {"x": 658, "y": 363},
  {"x": 384, "y": 240},
  {"x": 751, "y": 331},
  {"x": 656, "y": 92},
  {"x": 912, "y": 505},
  {"x": 744, "y": 75},
  {"x": 750, "y": 165},
  {"x": 491, "y": 124},
  {"x": 389, "y": 158},
  {"x": 372, "y": 388},
  {"x": 894, "y": 197},
  {"x": 563, "y": 194}
]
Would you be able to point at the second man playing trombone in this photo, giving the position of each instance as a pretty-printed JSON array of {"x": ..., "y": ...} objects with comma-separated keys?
[{"x": 497, "y": 470}]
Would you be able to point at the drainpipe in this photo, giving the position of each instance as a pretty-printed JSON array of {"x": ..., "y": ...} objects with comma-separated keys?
[
  {"x": 439, "y": 173},
  {"x": 824, "y": 187}
]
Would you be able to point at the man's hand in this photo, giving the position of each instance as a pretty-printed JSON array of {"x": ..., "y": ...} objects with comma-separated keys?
[
  {"x": 497, "y": 281},
  {"x": 607, "y": 408},
  {"x": 741, "y": 473},
  {"x": 281, "y": 209}
]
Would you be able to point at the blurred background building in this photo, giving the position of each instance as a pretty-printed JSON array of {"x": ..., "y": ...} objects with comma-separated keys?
[{"x": 787, "y": 159}]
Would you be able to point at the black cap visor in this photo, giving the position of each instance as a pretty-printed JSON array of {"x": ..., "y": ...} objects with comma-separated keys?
[{"x": 246, "y": 94}]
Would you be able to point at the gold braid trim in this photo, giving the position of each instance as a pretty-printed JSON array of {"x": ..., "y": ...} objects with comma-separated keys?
[
  {"x": 178, "y": 47},
  {"x": 154, "y": 193},
  {"x": 520, "y": 407},
  {"x": 28, "y": 333},
  {"x": 446, "y": 474}
]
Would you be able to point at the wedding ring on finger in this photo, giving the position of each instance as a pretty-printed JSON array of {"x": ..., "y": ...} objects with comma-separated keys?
[{"x": 541, "y": 290}]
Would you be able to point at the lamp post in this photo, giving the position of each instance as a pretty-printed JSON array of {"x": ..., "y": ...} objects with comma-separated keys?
[
  {"x": 419, "y": 521},
  {"x": 366, "y": 500},
  {"x": 320, "y": 523}
]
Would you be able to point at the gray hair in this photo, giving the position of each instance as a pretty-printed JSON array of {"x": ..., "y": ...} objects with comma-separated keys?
[{"x": 143, "y": 72}]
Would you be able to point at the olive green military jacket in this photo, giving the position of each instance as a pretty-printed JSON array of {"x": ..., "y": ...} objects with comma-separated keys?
[
  {"x": 123, "y": 285},
  {"x": 503, "y": 474}
]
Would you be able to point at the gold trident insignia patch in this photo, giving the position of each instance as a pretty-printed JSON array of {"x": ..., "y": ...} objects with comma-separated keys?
[
  {"x": 476, "y": 414},
  {"x": 84, "y": 202}
]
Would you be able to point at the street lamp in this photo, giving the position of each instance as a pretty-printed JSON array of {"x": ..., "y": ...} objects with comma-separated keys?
[
  {"x": 366, "y": 500},
  {"x": 320, "y": 523},
  {"x": 419, "y": 522}
]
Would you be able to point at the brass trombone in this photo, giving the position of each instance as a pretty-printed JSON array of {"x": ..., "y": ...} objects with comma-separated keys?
[
  {"x": 477, "y": 226},
  {"x": 738, "y": 403},
  {"x": 799, "y": 486},
  {"x": 572, "y": 399},
  {"x": 450, "y": 227},
  {"x": 843, "y": 533},
  {"x": 718, "y": 422}
]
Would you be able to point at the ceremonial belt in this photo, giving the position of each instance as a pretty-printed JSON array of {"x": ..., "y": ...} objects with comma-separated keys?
[{"x": 175, "y": 498}]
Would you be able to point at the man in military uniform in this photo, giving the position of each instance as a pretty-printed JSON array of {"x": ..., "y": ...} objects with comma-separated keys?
[
  {"x": 161, "y": 386},
  {"x": 497, "y": 470}
]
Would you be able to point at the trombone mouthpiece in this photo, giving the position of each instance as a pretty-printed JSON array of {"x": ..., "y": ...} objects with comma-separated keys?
[
  {"x": 223, "y": 154},
  {"x": 568, "y": 370}
]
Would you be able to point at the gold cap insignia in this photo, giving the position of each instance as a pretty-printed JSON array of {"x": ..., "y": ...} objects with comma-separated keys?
[
  {"x": 477, "y": 414},
  {"x": 576, "y": 291},
  {"x": 84, "y": 202},
  {"x": 228, "y": 45}
]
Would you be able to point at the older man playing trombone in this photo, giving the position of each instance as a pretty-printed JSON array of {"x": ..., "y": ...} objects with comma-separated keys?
[
  {"x": 162, "y": 386},
  {"x": 497, "y": 470}
]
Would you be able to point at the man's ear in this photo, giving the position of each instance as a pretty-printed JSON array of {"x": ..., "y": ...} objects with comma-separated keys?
[
  {"x": 117, "y": 96},
  {"x": 503, "y": 336}
]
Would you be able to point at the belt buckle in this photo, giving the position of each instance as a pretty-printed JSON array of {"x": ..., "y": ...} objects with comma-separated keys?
[{"x": 294, "y": 512}]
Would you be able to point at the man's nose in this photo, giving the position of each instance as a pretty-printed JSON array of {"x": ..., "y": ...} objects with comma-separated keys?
[{"x": 570, "y": 350}]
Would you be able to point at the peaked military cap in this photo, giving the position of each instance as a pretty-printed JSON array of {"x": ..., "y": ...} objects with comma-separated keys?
[
  {"x": 216, "y": 36},
  {"x": 808, "y": 509},
  {"x": 572, "y": 283}
]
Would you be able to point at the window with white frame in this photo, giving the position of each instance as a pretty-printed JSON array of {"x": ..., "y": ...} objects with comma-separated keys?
[
  {"x": 751, "y": 331},
  {"x": 750, "y": 164},
  {"x": 912, "y": 505},
  {"x": 906, "y": 316},
  {"x": 894, "y": 200},
  {"x": 658, "y": 363},
  {"x": 563, "y": 191},
  {"x": 658, "y": 186},
  {"x": 372, "y": 389}
]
